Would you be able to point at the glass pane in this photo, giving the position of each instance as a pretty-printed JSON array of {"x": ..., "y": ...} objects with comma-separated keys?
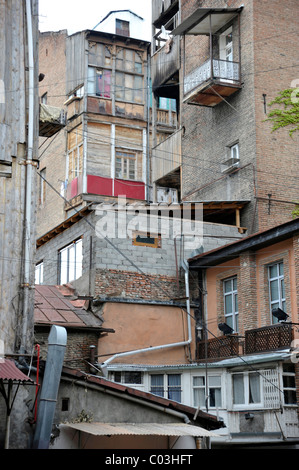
[
  {"x": 254, "y": 388},
  {"x": 229, "y": 321},
  {"x": 282, "y": 288},
  {"x": 157, "y": 385},
  {"x": 129, "y": 60},
  {"x": 132, "y": 378},
  {"x": 228, "y": 304},
  {"x": 199, "y": 397},
  {"x": 274, "y": 290},
  {"x": 235, "y": 283},
  {"x": 138, "y": 92},
  {"x": 238, "y": 389},
  {"x": 71, "y": 275},
  {"x": 79, "y": 259},
  {"x": 131, "y": 169},
  {"x": 228, "y": 286},
  {"x": 215, "y": 397},
  {"x": 118, "y": 168},
  {"x": 273, "y": 271},
  {"x": 198, "y": 381},
  {"x": 281, "y": 269},
  {"x": 290, "y": 397},
  {"x": 236, "y": 303},
  {"x": 289, "y": 381},
  {"x": 64, "y": 266},
  {"x": 215, "y": 381}
]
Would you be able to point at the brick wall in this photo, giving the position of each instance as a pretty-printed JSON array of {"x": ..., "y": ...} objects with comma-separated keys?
[
  {"x": 52, "y": 150},
  {"x": 267, "y": 160}
]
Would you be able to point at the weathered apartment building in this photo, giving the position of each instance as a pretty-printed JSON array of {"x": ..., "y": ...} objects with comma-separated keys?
[
  {"x": 224, "y": 62},
  {"x": 155, "y": 303}
]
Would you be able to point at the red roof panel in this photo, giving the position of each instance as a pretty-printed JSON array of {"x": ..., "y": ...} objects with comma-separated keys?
[{"x": 9, "y": 371}]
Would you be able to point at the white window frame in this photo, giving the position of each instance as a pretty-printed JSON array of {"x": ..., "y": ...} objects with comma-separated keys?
[
  {"x": 246, "y": 390},
  {"x": 279, "y": 302},
  {"x": 231, "y": 318},
  {"x": 288, "y": 388},
  {"x": 39, "y": 273},
  {"x": 202, "y": 388},
  {"x": 168, "y": 388},
  {"x": 70, "y": 260}
]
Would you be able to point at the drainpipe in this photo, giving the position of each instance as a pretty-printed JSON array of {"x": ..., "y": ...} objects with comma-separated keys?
[
  {"x": 51, "y": 380},
  {"x": 28, "y": 242},
  {"x": 103, "y": 367}
]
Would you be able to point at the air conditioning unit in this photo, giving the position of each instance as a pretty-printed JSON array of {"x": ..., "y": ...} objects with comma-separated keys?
[{"x": 229, "y": 165}]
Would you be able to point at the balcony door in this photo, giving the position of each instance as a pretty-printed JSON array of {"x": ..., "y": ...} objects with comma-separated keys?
[{"x": 226, "y": 71}]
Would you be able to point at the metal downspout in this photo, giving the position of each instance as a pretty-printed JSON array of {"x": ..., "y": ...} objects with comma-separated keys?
[
  {"x": 103, "y": 366},
  {"x": 28, "y": 243},
  {"x": 51, "y": 380}
]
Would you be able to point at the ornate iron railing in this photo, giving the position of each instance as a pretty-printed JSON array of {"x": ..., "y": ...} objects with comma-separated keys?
[{"x": 216, "y": 69}]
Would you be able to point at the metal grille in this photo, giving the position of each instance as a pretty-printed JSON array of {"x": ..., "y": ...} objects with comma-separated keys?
[
  {"x": 268, "y": 338},
  {"x": 225, "y": 346}
]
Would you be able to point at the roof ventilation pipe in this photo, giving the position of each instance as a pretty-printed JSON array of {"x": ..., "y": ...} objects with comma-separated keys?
[
  {"x": 51, "y": 380},
  {"x": 104, "y": 366}
]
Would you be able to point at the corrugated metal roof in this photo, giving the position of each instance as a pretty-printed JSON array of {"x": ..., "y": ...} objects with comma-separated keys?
[
  {"x": 10, "y": 372},
  {"x": 141, "y": 429}
]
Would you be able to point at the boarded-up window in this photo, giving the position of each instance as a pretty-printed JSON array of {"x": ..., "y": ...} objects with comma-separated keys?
[
  {"x": 129, "y": 60},
  {"x": 122, "y": 27},
  {"x": 99, "y": 55}
]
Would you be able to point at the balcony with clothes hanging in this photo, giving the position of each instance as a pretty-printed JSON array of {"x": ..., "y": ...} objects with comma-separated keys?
[{"x": 211, "y": 55}]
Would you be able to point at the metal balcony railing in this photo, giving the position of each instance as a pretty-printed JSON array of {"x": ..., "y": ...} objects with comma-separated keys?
[{"x": 216, "y": 69}]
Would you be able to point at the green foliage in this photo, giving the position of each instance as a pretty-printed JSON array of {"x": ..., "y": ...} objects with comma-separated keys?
[
  {"x": 295, "y": 212},
  {"x": 288, "y": 114}
]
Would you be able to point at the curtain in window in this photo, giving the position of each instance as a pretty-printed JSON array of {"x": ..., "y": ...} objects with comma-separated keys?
[
  {"x": 157, "y": 385},
  {"x": 238, "y": 389},
  {"x": 174, "y": 387},
  {"x": 254, "y": 388}
]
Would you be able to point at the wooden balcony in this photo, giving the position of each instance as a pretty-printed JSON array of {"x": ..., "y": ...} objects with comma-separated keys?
[
  {"x": 265, "y": 339},
  {"x": 212, "y": 82}
]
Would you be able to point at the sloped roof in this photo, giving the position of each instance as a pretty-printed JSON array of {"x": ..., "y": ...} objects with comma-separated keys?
[
  {"x": 206, "y": 420},
  {"x": 59, "y": 305},
  {"x": 10, "y": 373}
]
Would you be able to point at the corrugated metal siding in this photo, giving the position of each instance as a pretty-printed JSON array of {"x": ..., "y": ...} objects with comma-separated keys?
[{"x": 141, "y": 429}]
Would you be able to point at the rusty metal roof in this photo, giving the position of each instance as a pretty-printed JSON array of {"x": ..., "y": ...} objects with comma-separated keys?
[
  {"x": 10, "y": 372},
  {"x": 141, "y": 429},
  {"x": 59, "y": 305}
]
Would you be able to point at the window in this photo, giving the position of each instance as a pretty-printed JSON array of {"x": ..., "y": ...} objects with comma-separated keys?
[
  {"x": 75, "y": 161},
  {"x": 129, "y": 60},
  {"x": 234, "y": 152},
  {"x": 146, "y": 239},
  {"x": 231, "y": 302},
  {"x": 42, "y": 187},
  {"x": 214, "y": 391},
  {"x": 125, "y": 165},
  {"x": 276, "y": 288},
  {"x": 39, "y": 273},
  {"x": 127, "y": 377},
  {"x": 289, "y": 384},
  {"x": 44, "y": 98},
  {"x": 168, "y": 386},
  {"x": 70, "y": 262},
  {"x": 129, "y": 87},
  {"x": 122, "y": 27},
  {"x": 246, "y": 388},
  {"x": 99, "y": 82}
]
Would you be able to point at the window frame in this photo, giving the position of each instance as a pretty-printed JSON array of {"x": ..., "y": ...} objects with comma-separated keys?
[
  {"x": 281, "y": 300},
  {"x": 287, "y": 388},
  {"x": 166, "y": 388},
  {"x": 210, "y": 387},
  {"x": 234, "y": 324},
  {"x": 246, "y": 390},
  {"x": 39, "y": 273},
  {"x": 65, "y": 278},
  {"x": 126, "y": 157}
]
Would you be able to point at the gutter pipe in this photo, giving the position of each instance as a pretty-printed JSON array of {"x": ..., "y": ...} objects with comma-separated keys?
[
  {"x": 28, "y": 190},
  {"x": 104, "y": 366}
]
